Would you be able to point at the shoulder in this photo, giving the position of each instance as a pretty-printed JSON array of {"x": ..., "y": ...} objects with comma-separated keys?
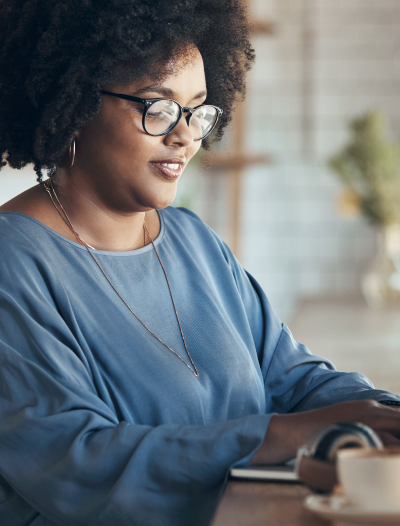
[
  {"x": 188, "y": 226},
  {"x": 16, "y": 229},
  {"x": 22, "y": 218},
  {"x": 22, "y": 250},
  {"x": 189, "y": 232}
]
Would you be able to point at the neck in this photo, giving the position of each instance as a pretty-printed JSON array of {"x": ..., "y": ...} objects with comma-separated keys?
[{"x": 101, "y": 226}]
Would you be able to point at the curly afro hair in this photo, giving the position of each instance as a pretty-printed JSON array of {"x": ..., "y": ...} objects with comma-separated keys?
[{"x": 56, "y": 56}]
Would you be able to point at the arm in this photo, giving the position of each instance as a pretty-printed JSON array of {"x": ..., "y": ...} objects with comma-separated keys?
[
  {"x": 67, "y": 456},
  {"x": 306, "y": 390},
  {"x": 294, "y": 379},
  {"x": 298, "y": 427}
]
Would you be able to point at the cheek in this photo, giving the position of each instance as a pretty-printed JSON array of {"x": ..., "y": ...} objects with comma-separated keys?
[
  {"x": 194, "y": 148},
  {"x": 110, "y": 136},
  {"x": 122, "y": 130}
]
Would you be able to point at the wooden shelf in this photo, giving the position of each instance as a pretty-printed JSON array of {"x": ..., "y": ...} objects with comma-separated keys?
[{"x": 234, "y": 161}]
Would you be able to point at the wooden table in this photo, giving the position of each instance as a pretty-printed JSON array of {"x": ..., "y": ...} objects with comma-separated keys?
[{"x": 265, "y": 504}]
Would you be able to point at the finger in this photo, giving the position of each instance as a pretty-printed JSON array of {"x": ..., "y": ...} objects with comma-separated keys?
[{"x": 380, "y": 417}]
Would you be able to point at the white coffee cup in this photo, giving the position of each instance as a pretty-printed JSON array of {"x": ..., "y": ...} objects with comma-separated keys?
[{"x": 371, "y": 478}]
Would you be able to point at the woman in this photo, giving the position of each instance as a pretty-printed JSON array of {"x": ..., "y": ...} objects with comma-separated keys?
[{"x": 139, "y": 361}]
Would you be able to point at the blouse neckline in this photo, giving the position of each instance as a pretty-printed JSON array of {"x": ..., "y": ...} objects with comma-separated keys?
[{"x": 115, "y": 253}]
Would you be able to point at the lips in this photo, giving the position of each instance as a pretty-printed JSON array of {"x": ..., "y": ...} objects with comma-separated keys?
[{"x": 169, "y": 168}]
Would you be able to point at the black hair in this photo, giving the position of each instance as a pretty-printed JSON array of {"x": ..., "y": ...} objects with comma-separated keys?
[{"x": 55, "y": 56}]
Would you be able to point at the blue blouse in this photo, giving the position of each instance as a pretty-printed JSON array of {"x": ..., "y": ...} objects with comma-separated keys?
[{"x": 100, "y": 423}]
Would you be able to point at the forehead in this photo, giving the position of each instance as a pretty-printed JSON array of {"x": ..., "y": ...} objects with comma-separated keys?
[{"x": 183, "y": 78}]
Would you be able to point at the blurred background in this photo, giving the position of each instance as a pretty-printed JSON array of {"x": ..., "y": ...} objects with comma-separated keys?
[{"x": 270, "y": 192}]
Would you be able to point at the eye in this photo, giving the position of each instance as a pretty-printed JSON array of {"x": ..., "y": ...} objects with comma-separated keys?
[
  {"x": 154, "y": 115},
  {"x": 163, "y": 110}
]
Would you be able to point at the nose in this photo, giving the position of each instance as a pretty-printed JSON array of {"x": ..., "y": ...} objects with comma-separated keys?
[{"x": 180, "y": 135}]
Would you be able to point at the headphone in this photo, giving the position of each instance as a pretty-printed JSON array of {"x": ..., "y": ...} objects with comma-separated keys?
[{"x": 316, "y": 460}]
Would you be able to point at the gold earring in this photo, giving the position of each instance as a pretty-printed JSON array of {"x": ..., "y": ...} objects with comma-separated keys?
[{"x": 72, "y": 153}]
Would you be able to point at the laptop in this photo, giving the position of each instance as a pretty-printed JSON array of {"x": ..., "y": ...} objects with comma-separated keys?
[{"x": 279, "y": 472}]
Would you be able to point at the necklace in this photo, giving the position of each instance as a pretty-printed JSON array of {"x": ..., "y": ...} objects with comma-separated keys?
[{"x": 49, "y": 187}]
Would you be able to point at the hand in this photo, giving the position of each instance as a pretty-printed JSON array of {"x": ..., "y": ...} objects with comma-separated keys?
[{"x": 286, "y": 433}]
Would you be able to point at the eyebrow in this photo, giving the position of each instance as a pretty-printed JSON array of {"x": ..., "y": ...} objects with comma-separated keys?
[{"x": 165, "y": 92}]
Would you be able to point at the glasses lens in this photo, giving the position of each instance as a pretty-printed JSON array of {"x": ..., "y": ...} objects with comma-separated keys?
[
  {"x": 161, "y": 116},
  {"x": 202, "y": 121}
]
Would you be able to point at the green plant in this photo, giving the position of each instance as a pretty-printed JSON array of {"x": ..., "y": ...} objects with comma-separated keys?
[{"x": 370, "y": 167}]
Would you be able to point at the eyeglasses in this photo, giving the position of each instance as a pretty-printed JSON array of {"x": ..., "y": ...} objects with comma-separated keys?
[{"x": 160, "y": 116}]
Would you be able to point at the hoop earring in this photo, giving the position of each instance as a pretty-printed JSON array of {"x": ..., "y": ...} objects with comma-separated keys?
[{"x": 72, "y": 153}]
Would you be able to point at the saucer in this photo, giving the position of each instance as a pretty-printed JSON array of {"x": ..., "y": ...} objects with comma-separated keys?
[{"x": 337, "y": 508}]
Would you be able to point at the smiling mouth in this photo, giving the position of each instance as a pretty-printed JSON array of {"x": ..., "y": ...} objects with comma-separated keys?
[{"x": 169, "y": 170}]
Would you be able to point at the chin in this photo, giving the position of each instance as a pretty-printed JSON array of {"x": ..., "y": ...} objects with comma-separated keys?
[
  {"x": 163, "y": 204},
  {"x": 165, "y": 200}
]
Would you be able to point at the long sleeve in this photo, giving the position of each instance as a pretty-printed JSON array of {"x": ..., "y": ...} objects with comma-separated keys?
[
  {"x": 294, "y": 378},
  {"x": 66, "y": 454}
]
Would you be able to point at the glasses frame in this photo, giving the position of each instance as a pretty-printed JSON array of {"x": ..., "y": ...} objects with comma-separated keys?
[{"x": 149, "y": 102}]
